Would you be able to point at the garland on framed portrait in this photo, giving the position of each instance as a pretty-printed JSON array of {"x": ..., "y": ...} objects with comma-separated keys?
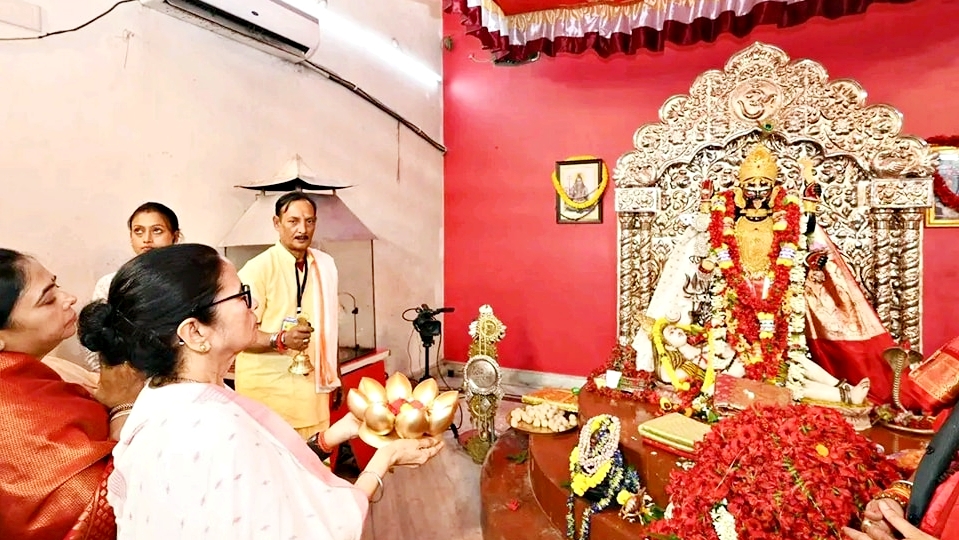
[
  {"x": 945, "y": 209},
  {"x": 580, "y": 182}
]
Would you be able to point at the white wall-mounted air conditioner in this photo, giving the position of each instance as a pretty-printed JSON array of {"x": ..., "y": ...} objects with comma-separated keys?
[{"x": 272, "y": 26}]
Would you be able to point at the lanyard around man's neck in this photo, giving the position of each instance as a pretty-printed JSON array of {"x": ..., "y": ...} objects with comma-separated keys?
[{"x": 301, "y": 287}]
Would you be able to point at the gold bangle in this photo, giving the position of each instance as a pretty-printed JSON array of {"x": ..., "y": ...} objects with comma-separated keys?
[
  {"x": 120, "y": 414},
  {"x": 120, "y": 407},
  {"x": 379, "y": 480},
  {"x": 119, "y": 410},
  {"x": 896, "y": 493}
]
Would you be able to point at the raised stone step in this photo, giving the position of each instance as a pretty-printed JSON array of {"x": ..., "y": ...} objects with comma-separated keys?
[{"x": 509, "y": 510}]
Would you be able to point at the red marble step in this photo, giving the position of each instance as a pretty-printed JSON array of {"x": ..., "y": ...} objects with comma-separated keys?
[
  {"x": 508, "y": 509},
  {"x": 549, "y": 472}
]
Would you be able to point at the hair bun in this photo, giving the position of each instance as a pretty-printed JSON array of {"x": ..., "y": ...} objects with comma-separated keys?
[{"x": 96, "y": 330}]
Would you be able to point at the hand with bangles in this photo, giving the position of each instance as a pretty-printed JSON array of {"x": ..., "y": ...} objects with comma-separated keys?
[
  {"x": 884, "y": 518},
  {"x": 401, "y": 453}
]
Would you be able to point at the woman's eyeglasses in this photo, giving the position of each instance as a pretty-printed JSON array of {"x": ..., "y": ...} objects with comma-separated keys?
[{"x": 244, "y": 294}]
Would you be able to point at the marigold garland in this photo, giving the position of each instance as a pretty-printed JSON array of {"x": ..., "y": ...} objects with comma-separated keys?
[
  {"x": 780, "y": 472},
  {"x": 946, "y": 196},
  {"x": 594, "y": 198}
]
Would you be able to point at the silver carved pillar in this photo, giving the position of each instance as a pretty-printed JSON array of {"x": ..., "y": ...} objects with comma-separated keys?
[
  {"x": 636, "y": 208},
  {"x": 910, "y": 277},
  {"x": 885, "y": 246},
  {"x": 628, "y": 276},
  {"x": 647, "y": 267},
  {"x": 898, "y": 205}
]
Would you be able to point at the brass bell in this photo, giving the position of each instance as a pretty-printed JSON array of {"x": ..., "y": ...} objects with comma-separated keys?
[{"x": 301, "y": 364}]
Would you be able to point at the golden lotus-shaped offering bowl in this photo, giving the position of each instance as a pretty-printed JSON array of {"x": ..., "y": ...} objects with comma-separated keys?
[{"x": 399, "y": 411}]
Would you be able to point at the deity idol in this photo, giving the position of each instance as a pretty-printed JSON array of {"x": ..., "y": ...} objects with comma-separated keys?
[{"x": 755, "y": 289}]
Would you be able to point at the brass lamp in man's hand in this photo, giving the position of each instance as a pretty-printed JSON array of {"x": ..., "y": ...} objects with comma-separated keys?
[{"x": 298, "y": 338}]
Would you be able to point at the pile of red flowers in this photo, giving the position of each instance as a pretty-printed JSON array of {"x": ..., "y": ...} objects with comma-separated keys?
[
  {"x": 623, "y": 359},
  {"x": 783, "y": 472}
]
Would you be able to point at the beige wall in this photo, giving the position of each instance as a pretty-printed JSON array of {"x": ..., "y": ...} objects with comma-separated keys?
[{"x": 141, "y": 106}]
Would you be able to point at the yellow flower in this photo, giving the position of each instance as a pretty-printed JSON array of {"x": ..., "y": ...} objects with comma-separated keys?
[
  {"x": 822, "y": 450},
  {"x": 623, "y": 497},
  {"x": 665, "y": 404},
  {"x": 573, "y": 458}
]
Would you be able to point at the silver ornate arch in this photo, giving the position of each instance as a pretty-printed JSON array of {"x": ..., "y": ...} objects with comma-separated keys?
[{"x": 876, "y": 182}]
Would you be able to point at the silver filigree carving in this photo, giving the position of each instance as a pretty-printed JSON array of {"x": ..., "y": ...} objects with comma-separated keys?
[
  {"x": 901, "y": 193},
  {"x": 637, "y": 199}
]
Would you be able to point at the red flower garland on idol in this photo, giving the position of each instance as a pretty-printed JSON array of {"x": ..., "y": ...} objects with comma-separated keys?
[
  {"x": 942, "y": 190},
  {"x": 752, "y": 319},
  {"x": 775, "y": 472}
]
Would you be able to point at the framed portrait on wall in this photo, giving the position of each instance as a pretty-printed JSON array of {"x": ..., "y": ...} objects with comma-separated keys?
[
  {"x": 939, "y": 215},
  {"x": 579, "y": 184}
]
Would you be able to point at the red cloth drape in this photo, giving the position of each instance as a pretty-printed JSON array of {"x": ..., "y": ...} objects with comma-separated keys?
[
  {"x": 55, "y": 451},
  {"x": 846, "y": 337},
  {"x": 705, "y": 29}
]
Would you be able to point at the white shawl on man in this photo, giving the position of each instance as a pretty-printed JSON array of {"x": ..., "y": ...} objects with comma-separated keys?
[{"x": 326, "y": 310}]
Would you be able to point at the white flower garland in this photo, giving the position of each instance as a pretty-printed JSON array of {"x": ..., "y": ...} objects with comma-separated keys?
[
  {"x": 723, "y": 522},
  {"x": 796, "y": 293},
  {"x": 591, "y": 458}
]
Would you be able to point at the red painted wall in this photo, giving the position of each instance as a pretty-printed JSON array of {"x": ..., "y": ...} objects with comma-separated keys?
[{"x": 554, "y": 286}]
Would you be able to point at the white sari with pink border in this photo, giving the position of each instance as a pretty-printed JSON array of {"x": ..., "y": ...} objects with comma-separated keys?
[{"x": 200, "y": 461}]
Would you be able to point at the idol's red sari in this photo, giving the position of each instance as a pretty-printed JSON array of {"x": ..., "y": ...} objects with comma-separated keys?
[
  {"x": 55, "y": 453},
  {"x": 846, "y": 337}
]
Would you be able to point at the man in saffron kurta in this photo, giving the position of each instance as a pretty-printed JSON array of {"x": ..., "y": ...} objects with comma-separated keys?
[
  {"x": 55, "y": 452},
  {"x": 288, "y": 280}
]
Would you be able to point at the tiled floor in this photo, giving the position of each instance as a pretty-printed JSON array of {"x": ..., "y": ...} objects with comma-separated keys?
[{"x": 439, "y": 501}]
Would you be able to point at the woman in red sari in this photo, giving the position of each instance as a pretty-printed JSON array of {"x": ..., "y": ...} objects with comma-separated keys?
[
  {"x": 56, "y": 440},
  {"x": 926, "y": 508}
]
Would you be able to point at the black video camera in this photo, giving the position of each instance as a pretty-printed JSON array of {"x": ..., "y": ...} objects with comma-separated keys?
[{"x": 426, "y": 324}]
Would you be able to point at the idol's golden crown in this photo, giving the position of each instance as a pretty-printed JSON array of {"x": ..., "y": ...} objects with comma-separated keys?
[{"x": 760, "y": 163}]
